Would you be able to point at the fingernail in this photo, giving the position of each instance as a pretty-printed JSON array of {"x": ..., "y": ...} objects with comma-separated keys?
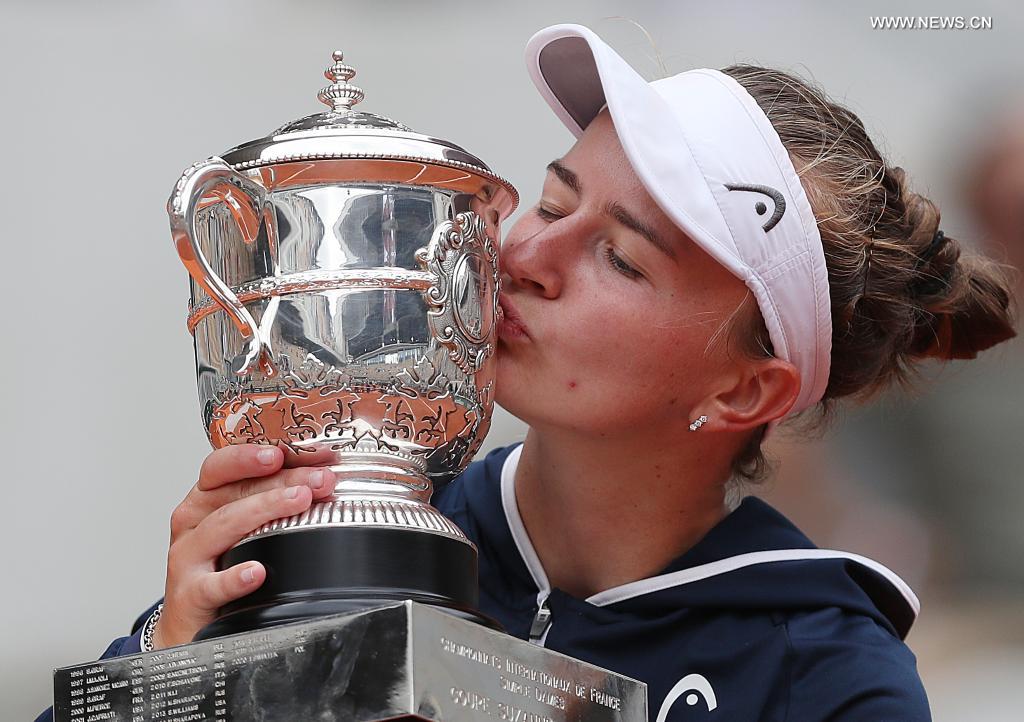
[
  {"x": 291, "y": 492},
  {"x": 317, "y": 477},
  {"x": 266, "y": 456},
  {"x": 247, "y": 575}
]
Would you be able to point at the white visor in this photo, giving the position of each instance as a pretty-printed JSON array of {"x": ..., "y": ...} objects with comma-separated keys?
[{"x": 711, "y": 160}]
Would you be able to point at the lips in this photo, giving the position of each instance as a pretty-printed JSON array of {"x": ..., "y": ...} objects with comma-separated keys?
[{"x": 511, "y": 324}]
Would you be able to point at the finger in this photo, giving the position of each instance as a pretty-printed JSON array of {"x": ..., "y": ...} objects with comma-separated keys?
[
  {"x": 200, "y": 504},
  {"x": 229, "y": 524},
  {"x": 319, "y": 480},
  {"x": 215, "y": 589},
  {"x": 309, "y": 457},
  {"x": 238, "y": 461}
]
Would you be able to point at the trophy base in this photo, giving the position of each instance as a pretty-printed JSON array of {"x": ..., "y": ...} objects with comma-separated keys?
[
  {"x": 315, "y": 572},
  {"x": 396, "y": 661}
]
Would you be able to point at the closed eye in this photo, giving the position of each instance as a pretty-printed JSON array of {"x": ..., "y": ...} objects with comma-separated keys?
[
  {"x": 616, "y": 261},
  {"x": 546, "y": 214}
]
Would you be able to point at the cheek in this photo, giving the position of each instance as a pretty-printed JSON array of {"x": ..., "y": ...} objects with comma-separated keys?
[
  {"x": 683, "y": 335},
  {"x": 624, "y": 354},
  {"x": 605, "y": 374}
]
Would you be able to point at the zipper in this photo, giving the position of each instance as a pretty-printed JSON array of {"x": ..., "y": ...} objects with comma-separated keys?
[{"x": 541, "y": 623}]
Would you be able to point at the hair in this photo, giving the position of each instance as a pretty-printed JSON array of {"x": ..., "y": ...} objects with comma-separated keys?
[{"x": 897, "y": 297}]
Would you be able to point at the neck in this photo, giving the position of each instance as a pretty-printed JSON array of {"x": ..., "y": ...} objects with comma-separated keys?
[{"x": 601, "y": 514}]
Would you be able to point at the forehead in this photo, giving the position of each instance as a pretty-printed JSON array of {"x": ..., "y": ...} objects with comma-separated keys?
[
  {"x": 599, "y": 156},
  {"x": 605, "y": 175}
]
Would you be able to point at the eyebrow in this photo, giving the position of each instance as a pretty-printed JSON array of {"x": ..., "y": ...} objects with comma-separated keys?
[{"x": 614, "y": 209}]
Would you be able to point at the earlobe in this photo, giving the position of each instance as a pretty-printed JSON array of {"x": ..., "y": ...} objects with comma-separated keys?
[{"x": 764, "y": 392}]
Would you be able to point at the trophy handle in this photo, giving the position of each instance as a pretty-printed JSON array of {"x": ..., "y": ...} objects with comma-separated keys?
[{"x": 204, "y": 184}]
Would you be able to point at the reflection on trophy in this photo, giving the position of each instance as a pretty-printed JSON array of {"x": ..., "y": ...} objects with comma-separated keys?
[{"x": 344, "y": 299}]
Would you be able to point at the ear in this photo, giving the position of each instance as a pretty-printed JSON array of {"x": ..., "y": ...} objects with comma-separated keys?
[{"x": 762, "y": 391}]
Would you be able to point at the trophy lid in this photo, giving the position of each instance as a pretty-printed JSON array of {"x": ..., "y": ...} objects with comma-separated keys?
[{"x": 342, "y": 133}]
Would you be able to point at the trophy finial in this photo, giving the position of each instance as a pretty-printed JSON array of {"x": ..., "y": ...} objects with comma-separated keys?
[{"x": 340, "y": 94}]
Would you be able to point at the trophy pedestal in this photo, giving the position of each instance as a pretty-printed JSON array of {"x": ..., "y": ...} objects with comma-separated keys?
[
  {"x": 403, "y": 661},
  {"x": 337, "y": 569}
]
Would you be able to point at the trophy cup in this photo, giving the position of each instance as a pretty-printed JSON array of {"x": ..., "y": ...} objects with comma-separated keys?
[{"x": 344, "y": 296}]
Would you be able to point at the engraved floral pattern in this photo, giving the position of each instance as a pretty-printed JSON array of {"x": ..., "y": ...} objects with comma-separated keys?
[{"x": 318, "y": 406}]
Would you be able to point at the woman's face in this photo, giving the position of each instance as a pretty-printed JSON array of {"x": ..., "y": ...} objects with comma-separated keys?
[{"x": 611, "y": 311}]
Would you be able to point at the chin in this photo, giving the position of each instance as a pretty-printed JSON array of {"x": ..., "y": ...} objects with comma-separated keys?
[
  {"x": 509, "y": 401},
  {"x": 520, "y": 402}
]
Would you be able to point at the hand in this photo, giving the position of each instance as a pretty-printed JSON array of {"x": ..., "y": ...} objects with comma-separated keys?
[{"x": 240, "y": 488}]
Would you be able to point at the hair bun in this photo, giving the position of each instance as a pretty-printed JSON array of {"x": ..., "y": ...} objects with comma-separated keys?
[{"x": 964, "y": 304}]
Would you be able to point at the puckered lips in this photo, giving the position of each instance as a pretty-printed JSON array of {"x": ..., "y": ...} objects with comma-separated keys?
[{"x": 510, "y": 325}]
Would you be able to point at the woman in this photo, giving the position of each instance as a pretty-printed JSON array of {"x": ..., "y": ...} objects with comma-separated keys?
[{"x": 717, "y": 252}]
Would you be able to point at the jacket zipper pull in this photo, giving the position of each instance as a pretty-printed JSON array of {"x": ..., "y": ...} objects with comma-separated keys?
[{"x": 541, "y": 622}]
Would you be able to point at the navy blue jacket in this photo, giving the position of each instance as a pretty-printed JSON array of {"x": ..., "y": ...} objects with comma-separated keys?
[{"x": 752, "y": 623}]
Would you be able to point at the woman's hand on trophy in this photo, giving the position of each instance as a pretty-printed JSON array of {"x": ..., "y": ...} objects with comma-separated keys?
[{"x": 240, "y": 488}]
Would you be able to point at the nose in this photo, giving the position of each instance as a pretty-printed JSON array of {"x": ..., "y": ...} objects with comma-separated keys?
[{"x": 533, "y": 259}]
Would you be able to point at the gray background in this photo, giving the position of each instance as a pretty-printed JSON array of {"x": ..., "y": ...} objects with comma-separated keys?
[{"x": 104, "y": 104}]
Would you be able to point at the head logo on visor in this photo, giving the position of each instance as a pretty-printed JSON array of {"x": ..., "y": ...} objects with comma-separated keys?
[{"x": 760, "y": 208}]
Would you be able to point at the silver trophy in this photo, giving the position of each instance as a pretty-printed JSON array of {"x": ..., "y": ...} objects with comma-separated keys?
[{"x": 344, "y": 295}]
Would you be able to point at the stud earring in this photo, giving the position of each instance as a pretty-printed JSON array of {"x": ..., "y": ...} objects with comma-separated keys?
[{"x": 698, "y": 423}]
